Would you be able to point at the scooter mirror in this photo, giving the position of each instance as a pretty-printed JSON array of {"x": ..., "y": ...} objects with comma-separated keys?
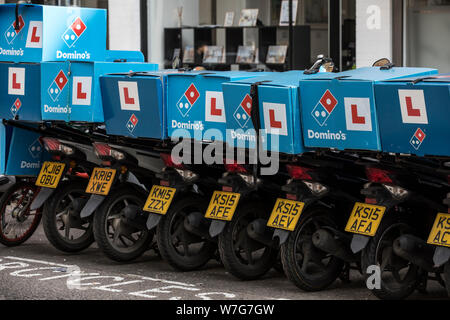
[
  {"x": 328, "y": 66},
  {"x": 381, "y": 62}
]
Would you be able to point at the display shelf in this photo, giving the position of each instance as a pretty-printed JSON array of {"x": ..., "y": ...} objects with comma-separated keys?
[{"x": 234, "y": 37}]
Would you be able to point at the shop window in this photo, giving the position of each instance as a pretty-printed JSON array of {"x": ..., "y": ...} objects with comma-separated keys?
[{"x": 427, "y": 30}]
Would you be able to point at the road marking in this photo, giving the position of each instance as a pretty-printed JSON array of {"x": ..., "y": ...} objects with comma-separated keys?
[
  {"x": 77, "y": 279},
  {"x": 13, "y": 265},
  {"x": 162, "y": 280},
  {"x": 19, "y": 273},
  {"x": 39, "y": 261},
  {"x": 108, "y": 286},
  {"x": 205, "y": 296}
]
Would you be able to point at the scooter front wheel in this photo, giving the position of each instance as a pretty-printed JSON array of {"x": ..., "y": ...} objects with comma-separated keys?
[
  {"x": 17, "y": 222},
  {"x": 309, "y": 268},
  {"x": 184, "y": 250},
  {"x": 242, "y": 256},
  {"x": 61, "y": 219},
  {"x": 120, "y": 225}
]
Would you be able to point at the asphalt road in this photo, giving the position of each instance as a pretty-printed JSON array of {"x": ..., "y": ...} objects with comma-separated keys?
[{"x": 36, "y": 270}]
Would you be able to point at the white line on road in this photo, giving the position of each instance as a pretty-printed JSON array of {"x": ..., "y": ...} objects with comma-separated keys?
[
  {"x": 39, "y": 261},
  {"x": 163, "y": 281}
]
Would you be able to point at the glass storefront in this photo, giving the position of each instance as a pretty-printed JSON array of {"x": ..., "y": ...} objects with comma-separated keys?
[{"x": 427, "y": 34}]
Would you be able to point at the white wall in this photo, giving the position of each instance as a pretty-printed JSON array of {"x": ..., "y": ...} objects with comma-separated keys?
[
  {"x": 124, "y": 25},
  {"x": 373, "y": 31},
  {"x": 163, "y": 14}
]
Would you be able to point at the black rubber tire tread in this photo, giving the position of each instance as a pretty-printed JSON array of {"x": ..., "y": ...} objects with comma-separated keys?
[
  {"x": 49, "y": 216},
  {"x": 230, "y": 261},
  {"x": 368, "y": 258},
  {"x": 5, "y": 197},
  {"x": 99, "y": 226},
  {"x": 163, "y": 235},
  {"x": 289, "y": 262}
]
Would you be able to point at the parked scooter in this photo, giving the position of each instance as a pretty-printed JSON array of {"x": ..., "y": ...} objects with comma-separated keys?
[
  {"x": 244, "y": 198},
  {"x": 241, "y": 210},
  {"x": 118, "y": 190},
  {"x": 62, "y": 194},
  {"x": 309, "y": 221},
  {"x": 402, "y": 198},
  {"x": 177, "y": 206}
]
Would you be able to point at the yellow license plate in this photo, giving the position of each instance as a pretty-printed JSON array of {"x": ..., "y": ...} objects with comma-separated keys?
[
  {"x": 159, "y": 199},
  {"x": 101, "y": 181},
  {"x": 223, "y": 205},
  {"x": 50, "y": 175},
  {"x": 365, "y": 219},
  {"x": 440, "y": 234},
  {"x": 285, "y": 214}
]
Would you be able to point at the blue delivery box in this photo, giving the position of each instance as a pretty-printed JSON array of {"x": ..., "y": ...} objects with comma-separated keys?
[
  {"x": 338, "y": 110},
  {"x": 414, "y": 115},
  {"x": 59, "y": 91},
  {"x": 195, "y": 105},
  {"x": 51, "y": 33},
  {"x": 21, "y": 152},
  {"x": 279, "y": 111},
  {"x": 134, "y": 104}
]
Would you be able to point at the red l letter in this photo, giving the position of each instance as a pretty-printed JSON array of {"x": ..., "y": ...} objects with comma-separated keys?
[
  {"x": 409, "y": 108},
  {"x": 128, "y": 100},
  {"x": 80, "y": 94},
  {"x": 34, "y": 37},
  {"x": 355, "y": 118},
  {"x": 15, "y": 85},
  {"x": 214, "y": 110},
  {"x": 273, "y": 123}
]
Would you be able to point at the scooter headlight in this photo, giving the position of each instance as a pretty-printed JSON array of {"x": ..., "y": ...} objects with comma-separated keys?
[
  {"x": 396, "y": 191},
  {"x": 316, "y": 188}
]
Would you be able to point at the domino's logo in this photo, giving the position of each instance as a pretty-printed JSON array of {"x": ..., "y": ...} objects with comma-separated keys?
[
  {"x": 417, "y": 139},
  {"x": 57, "y": 85},
  {"x": 16, "y": 107},
  {"x": 132, "y": 123},
  {"x": 324, "y": 108},
  {"x": 74, "y": 32},
  {"x": 12, "y": 32},
  {"x": 243, "y": 113},
  {"x": 35, "y": 149},
  {"x": 187, "y": 101}
]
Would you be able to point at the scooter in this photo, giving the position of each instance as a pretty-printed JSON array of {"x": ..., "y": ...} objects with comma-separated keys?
[
  {"x": 176, "y": 206},
  {"x": 118, "y": 190},
  {"x": 401, "y": 199},
  {"x": 62, "y": 194},
  {"x": 309, "y": 221}
]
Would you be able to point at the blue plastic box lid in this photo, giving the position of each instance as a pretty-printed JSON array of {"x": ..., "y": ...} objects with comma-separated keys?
[
  {"x": 195, "y": 106},
  {"x": 414, "y": 115},
  {"x": 279, "y": 111},
  {"x": 338, "y": 110},
  {"x": 134, "y": 104},
  {"x": 51, "y": 33}
]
